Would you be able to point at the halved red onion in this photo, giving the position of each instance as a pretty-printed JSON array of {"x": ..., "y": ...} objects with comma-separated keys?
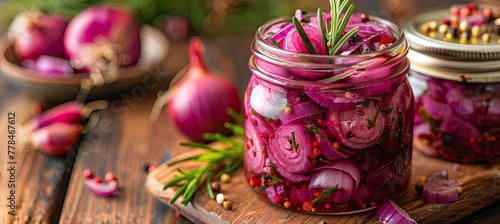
[
  {"x": 346, "y": 165},
  {"x": 360, "y": 192},
  {"x": 255, "y": 148},
  {"x": 390, "y": 213},
  {"x": 268, "y": 101},
  {"x": 301, "y": 110},
  {"x": 351, "y": 127},
  {"x": 328, "y": 178},
  {"x": 438, "y": 188},
  {"x": 327, "y": 147},
  {"x": 456, "y": 126},
  {"x": 281, "y": 148},
  {"x": 102, "y": 189}
]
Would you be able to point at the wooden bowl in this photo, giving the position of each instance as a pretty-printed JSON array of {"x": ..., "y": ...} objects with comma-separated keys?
[{"x": 154, "y": 48}]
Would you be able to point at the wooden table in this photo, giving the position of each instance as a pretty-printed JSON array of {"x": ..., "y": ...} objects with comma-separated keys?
[{"x": 50, "y": 189}]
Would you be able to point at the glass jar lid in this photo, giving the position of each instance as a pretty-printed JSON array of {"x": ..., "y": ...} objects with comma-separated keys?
[{"x": 435, "y": 51}]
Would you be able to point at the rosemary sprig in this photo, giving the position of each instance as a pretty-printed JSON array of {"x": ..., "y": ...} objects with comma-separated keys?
[
  {"x": 230, "y": 155},
  {"x": 325, "y": 194},
  {"x": 322, "y": 32},
  {"x": 316, "y": 131},
  {"x": 338, "y": 24},
  {"x": 295, "y": 145}
]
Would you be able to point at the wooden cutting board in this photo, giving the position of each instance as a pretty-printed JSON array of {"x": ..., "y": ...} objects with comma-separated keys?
[{"x": 481, "y": 184}]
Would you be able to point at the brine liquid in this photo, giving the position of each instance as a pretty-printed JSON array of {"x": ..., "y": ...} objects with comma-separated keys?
[
  {"x": 301, "y": 143},
  {"x": 459, "y": 121}
]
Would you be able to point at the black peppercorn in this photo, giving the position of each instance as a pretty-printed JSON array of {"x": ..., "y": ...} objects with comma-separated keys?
[{"x": 354, "y": 38}]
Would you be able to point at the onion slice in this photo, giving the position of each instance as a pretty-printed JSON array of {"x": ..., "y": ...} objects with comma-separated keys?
[
  {"x": 282, "y": 149},
  {"x": 268, "y": 102},
  {"x": 352, "y": 127},
  {"x": 438, "y": 188},
  {"x": 328, "y": 178},
  {"x": 327, "y": 148},
  {"x": 346, "y": 165},
  {"x": 254, "y": 151},
  {"x": 301, "y": 110},
  {"x": 102, "y": 189},
  {"x": 389, "y": 212}
]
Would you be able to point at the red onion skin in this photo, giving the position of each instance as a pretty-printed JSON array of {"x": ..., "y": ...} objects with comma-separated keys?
[
  {"x": 66, "y": 113},
  {"x": 41, "y": 37},
  {"x": 200, "y": 100},
  {"x": 115, "y": 23},
  {"x": 56, "y": 139}
]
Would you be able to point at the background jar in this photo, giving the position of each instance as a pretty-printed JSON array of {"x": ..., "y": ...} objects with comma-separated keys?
[
  {"x": 304, "y": 137},
  {"x": 457, "y": 90}
]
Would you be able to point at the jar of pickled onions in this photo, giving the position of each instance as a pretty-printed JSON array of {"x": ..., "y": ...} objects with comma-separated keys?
[
  {"x": 455, "y": 56},
  {"x": 329, "y": 134}
]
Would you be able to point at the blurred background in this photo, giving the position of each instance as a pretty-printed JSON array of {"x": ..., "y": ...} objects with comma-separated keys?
[{"x": 226, "y": 26}]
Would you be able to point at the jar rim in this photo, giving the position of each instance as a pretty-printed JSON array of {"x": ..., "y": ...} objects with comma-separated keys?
[
  {"x": 396, "y": 46},
  {"x": 261, "y": 49},
  {"x": 445, "y": 49}
]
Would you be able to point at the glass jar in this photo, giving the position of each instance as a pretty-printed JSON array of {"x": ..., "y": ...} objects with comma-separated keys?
[
  {"x": 305, "y": 137},
  {"x": 457, "y": 90}
]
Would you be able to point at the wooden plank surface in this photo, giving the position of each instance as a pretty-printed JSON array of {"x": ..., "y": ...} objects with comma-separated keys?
[
  {"x": 39, "y": 178},
  {"x": 481, "y": 184}
]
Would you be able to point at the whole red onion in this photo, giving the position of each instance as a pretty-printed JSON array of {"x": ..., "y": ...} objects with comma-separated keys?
[
  {"x": 198, "y": 103},
  {"x": 102, "y": 34},
  {"x": 36, "y": 34}
]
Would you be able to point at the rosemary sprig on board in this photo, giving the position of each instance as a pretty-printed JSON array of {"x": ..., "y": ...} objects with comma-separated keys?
[{"x": 229, "y": 156}]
